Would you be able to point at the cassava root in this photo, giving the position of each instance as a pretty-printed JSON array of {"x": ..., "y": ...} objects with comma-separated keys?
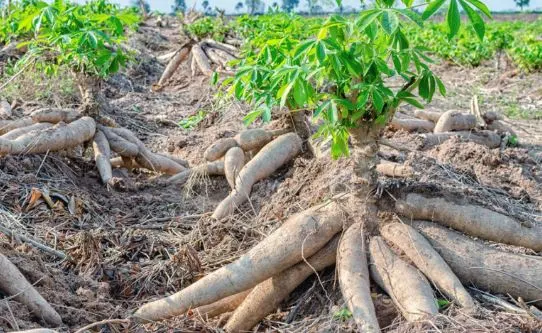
[
  {"x": 473, "y": 220},
  {"x": 14, "y": 283},
  {"x": 455, "y": 121},
  {"x": 265, "y": 163},
  {"x": 268, "y": 295},
  {"x": 407, "y": 287},
  {"x": 486, "y": 267},
  {"x": 429, "y": 262},
  {"x": 353, "y": 274},
  {"x": 299, "y": 237}
]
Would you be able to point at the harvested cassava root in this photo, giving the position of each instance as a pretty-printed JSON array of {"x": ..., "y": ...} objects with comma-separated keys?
[
  {"x": 473, "y": 220},
  {"x": 455, "y": 121},
  {"x": 428, "y": 261},
  {"x": 486, "y": 138},
  {"x": 265, "y": 163},
  {"x": 215, "y": 168},
  {"x": 354, "y": 279},
  {"x": 407, "y": 287},
  {"x": 484, "y": 266},
  {"x": 52, "y": 130},
  {"x": 393, "y": 169},
  {"x": 301, "y": 236},
  {"x": 268, "y": 295},
  {"x": 202, "y": 56},
  {"x": 412, "y": 125},
  {"x": 12, "y": 282}
]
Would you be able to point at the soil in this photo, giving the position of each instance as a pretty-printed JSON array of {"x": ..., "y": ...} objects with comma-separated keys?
[{"x": 129, "y": 247}]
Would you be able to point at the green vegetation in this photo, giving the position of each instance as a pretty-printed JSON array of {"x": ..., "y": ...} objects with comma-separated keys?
[
  {"x": 340, "y": 69},
  {"x": 208, "y": 27}
]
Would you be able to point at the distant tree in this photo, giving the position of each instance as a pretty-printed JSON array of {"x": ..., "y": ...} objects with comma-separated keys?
[
  {"x": 522, "y": 3},
  {"x": 142, "y": 5},
  {"x": 178, "y": 6},
  {"x": 317, "y": 6},
  {"x": 255, "y": 6},
  {"x": 205, "y": 5},
  {"x": 289, "y": 5},
  {"x": 239, "y": 6}
]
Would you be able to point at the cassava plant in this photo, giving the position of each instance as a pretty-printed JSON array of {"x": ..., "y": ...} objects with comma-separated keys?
[
  {"x": 342, "y": 75},
  {"x": 87, "y": 39}
]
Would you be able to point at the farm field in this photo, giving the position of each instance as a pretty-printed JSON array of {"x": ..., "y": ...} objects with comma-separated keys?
[{"x": 115, "y": 191}]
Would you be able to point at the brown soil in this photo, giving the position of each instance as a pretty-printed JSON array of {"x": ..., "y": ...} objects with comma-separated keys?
[{"x": 133, "y": 246}]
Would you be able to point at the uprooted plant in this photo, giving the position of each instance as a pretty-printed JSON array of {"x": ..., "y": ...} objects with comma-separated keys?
[
  {"x": 342, "y": 74},
  {"x": 203, "y": 47},
  {"x": 88, "y": 40}
]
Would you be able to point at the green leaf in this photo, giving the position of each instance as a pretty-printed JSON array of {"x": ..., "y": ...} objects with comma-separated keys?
[
  {"x": 481, "y": 6},
  {"x": 441, "y": 87},
  {"x": 214, "y": 78},
  {"x": 389, "y": 21},
  {"x": 453, "y": 18},
  {"x": 367, "y": 17},
  {"x": 432, "y": 8},
  {"x": 320, "y": 52},
  {"x": 378, "y": 101},
  {"x": 252, "y": 116},
  {"x": 411, "y": 15},
  {"x": 300, "y": 93},
  {"x": 475, "y": 19}
]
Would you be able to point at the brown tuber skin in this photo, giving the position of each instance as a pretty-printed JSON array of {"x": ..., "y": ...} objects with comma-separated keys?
[
  {"x": 215, "y": 168},
  {"x": 455, "y": 121},
  {"x": 13, "y": 283},
  {"x": 253, "y": 139},
  {"x": 54, "y": 116},
  {"x": 407, "y": 286},
  {"x": 392, "y": 169},
  {"x": 412, "y": 125},
  {"x": 234, "y": 161},
  {"x": 267, "y": 296},
  {"x": 60, "y": 137},
  {"x": 227, "y": 304},
  {"x": 429, "y": 262},
  {"x": 475, "y": 263},
  {"x": 353, "y": 274},
  {"x": 428, "y": 115},
  {"x": 14, "y": 134},
  {"x": 485, "y": 138},
  {"x": 5, "y": 110},
  {"x": 300, "y": 236},
  {"x": 264, "y": 164},
  {"x": 9, "y": 125},
  {"x": 474, "y": 220},
  {"x": 102, "y": 155},
  {"x": 219, "y": 149}
]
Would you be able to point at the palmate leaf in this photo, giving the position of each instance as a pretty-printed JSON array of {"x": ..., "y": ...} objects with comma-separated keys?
[
  {"x": 475, "y": 19},
  {"x": 453, "y": 18}
]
